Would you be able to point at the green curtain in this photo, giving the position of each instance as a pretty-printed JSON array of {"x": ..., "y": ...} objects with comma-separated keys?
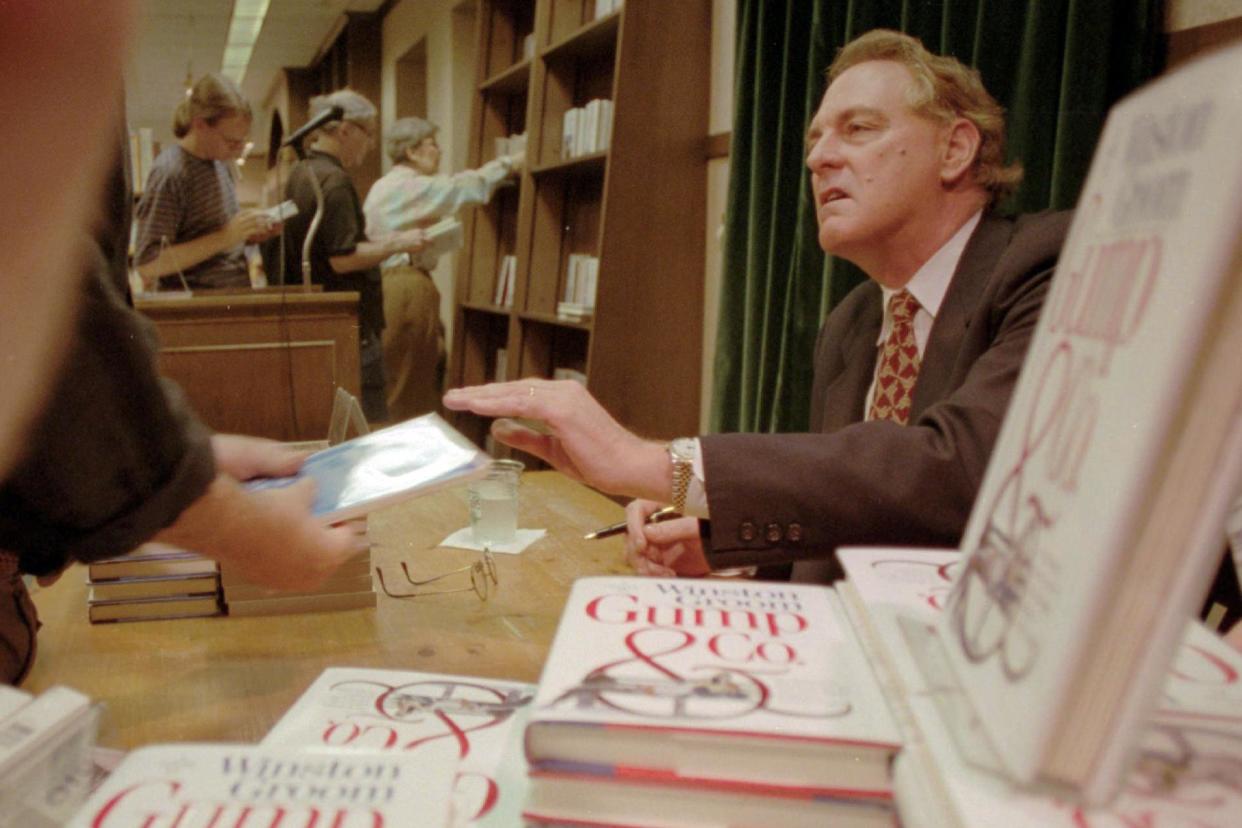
[{"x": 1055, "y": 65}]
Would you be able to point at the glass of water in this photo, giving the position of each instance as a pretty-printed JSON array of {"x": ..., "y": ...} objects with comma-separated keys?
[{"x": 494, "y": 503}]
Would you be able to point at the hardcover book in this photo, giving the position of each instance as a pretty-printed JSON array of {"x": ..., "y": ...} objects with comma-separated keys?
[
  {"x": 153, "y": 609},
  {"x": 1189, "y": 753},
  {"x": 220, "y": 784},
  {"x": 1100, "y": 520},
  {"x": 717, "y": 684},
  {"x": 470, "y": 724},
  {"x": 45, "y": 758},
  {"x": 151, "y": 560},
  {"x": 384, "y": 467}
]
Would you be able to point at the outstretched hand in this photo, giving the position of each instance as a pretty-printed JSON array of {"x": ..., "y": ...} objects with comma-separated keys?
[{"x": 569, "y": 429}]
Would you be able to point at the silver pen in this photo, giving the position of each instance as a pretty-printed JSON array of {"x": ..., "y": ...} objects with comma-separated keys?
[{"x": 667, "y": 513}]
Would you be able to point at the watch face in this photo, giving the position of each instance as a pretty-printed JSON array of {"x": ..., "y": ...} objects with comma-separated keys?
[{"x": 682, "y": 447}]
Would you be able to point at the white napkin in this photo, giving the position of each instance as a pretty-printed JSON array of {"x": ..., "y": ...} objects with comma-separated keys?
[{"x": 464, "y": 539}]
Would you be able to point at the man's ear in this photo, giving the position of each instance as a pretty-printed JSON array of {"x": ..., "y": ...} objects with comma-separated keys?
[{"x": 961, "y": 148}]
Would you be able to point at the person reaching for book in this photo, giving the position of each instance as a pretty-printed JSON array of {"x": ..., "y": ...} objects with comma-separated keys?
[
  {"x": 415, "y": 194},
  {"x": 913, "y": 370},
  {"x": 189, "y": 223},
  {"x": 98, "y": 454}
]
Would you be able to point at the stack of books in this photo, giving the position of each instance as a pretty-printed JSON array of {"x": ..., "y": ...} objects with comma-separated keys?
[
  {"x": 46, "y": 764},
  {"x": 155, "y": 581},
  {"x": 350, "y": 587},
  {"x": 669, "y": 702}
]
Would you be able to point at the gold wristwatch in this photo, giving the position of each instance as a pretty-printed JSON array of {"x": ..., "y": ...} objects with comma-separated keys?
[{"x": 681, "y": 452}]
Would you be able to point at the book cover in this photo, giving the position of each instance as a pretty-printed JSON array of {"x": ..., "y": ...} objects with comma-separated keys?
[
  {"x": 386, "y": 466},
  {"x": 235, "y": 785},
  {"x": 1099, "y": 523},
  {"x": 1190, "y": 754},
  {"x": 470, "y": 724},
  {"x": 746, "y": 682}
]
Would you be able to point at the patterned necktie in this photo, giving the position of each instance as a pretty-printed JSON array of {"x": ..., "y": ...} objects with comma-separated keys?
[{"x": 899, "y": 363}]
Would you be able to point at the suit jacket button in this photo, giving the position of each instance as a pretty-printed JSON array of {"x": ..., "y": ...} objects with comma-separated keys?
[
  {"x": 773, "y": 533},
  {"x": 794, "y": 533},
  {"x": 746, "y": 530}
]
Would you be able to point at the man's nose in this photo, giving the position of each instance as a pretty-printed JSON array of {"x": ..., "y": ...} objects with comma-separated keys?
[{"x": 825, "y": 152}]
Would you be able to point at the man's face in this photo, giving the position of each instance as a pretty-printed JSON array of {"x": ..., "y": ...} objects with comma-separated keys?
[
  {"x": 874, "y": 163},
  {"x": 226, "y": 139},
  {"x": 356, "y": 139}
]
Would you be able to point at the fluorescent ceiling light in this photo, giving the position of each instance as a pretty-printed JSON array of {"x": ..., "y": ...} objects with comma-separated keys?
[{"x": 244, "y": 30}]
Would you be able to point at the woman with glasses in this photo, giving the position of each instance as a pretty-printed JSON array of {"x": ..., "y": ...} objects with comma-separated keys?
[
  {"x": 342, "y": 256},
  {"x": 189, "y": 225},
  {"x": 415, "y": 194}
]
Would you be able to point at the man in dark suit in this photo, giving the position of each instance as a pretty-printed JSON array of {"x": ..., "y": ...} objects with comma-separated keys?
[{"x": 913, "y": 370}]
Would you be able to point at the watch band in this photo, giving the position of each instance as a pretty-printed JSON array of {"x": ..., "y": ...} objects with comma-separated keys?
[{"x": 682, "y": 457}]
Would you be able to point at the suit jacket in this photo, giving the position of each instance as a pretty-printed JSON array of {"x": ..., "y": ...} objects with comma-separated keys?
[{"x": 780, "y": 497}]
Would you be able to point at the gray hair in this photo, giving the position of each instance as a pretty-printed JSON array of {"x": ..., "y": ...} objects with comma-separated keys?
[
  {"x": 407, "y": 133},
  {"x": 356, "y": 107}
]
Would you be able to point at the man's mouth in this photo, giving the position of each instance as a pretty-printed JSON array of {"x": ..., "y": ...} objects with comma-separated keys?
[{"x": 830, "y": 195}]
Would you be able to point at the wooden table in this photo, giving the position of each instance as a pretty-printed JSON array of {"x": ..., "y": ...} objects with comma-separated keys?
[{"x": 230, "y": 679}]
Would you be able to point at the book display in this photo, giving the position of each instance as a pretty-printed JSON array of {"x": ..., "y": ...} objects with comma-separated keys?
[
  {"x": 594, "y": 261},
  {"x": 752, "y": 696},
  {"x": 474, "y": 725},
  {"x": 1121, "y": 449}
]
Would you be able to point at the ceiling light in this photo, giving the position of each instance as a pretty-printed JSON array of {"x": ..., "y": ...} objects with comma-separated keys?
[{"x": 244, "y": 30}]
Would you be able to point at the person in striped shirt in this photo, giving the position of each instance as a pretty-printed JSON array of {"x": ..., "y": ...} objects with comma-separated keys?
[{"x": 189, "y": 224}]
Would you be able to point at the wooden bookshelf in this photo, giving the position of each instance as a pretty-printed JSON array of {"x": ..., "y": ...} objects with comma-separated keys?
[{"x": 638, "y": 206}]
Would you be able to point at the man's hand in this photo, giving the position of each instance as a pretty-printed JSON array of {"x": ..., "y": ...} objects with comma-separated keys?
[
  {"x": 269, "y": 537},
  {"x": 407, "y": 241},
  {"x": 571, "y": 431},
  {"x": 666, "y": 549}
]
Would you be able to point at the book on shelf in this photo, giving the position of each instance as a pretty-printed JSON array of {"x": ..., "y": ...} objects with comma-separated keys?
[
  {"x": 46, "y": 744},
  {"x": 586, "y": 129},
  {"x": 223, "y": 784},
  {"x": 502, "y": 365},
  {"x": 570, "y": 374},
  {"x": 745, "y": 689},
  {"x": 160, "y": 608},
  {"x": 1100, "y": 520},
  {"x": 151, "y": 560},
  {"x": 506, "y": 281},
  {"x": 384, "y": 467},
  {"x": 472, "y": 725},
  {"x": 945, "y": 776}
]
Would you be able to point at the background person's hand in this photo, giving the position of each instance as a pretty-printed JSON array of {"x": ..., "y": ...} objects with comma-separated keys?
[
  {"x": 249, "y": 225},
  {"x": 574, "y": 434}
]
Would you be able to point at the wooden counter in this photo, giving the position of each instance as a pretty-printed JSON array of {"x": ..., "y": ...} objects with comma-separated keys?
[
  {"x": 265, "y": 363},
  {"x": 230, "y": 679}
]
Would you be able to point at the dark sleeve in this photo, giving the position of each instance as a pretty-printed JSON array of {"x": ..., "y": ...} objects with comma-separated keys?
[
  {"x": 341, "y": 230},
  {"x": 116, "y": 456},
  {"x": 776, "y": 498}
]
